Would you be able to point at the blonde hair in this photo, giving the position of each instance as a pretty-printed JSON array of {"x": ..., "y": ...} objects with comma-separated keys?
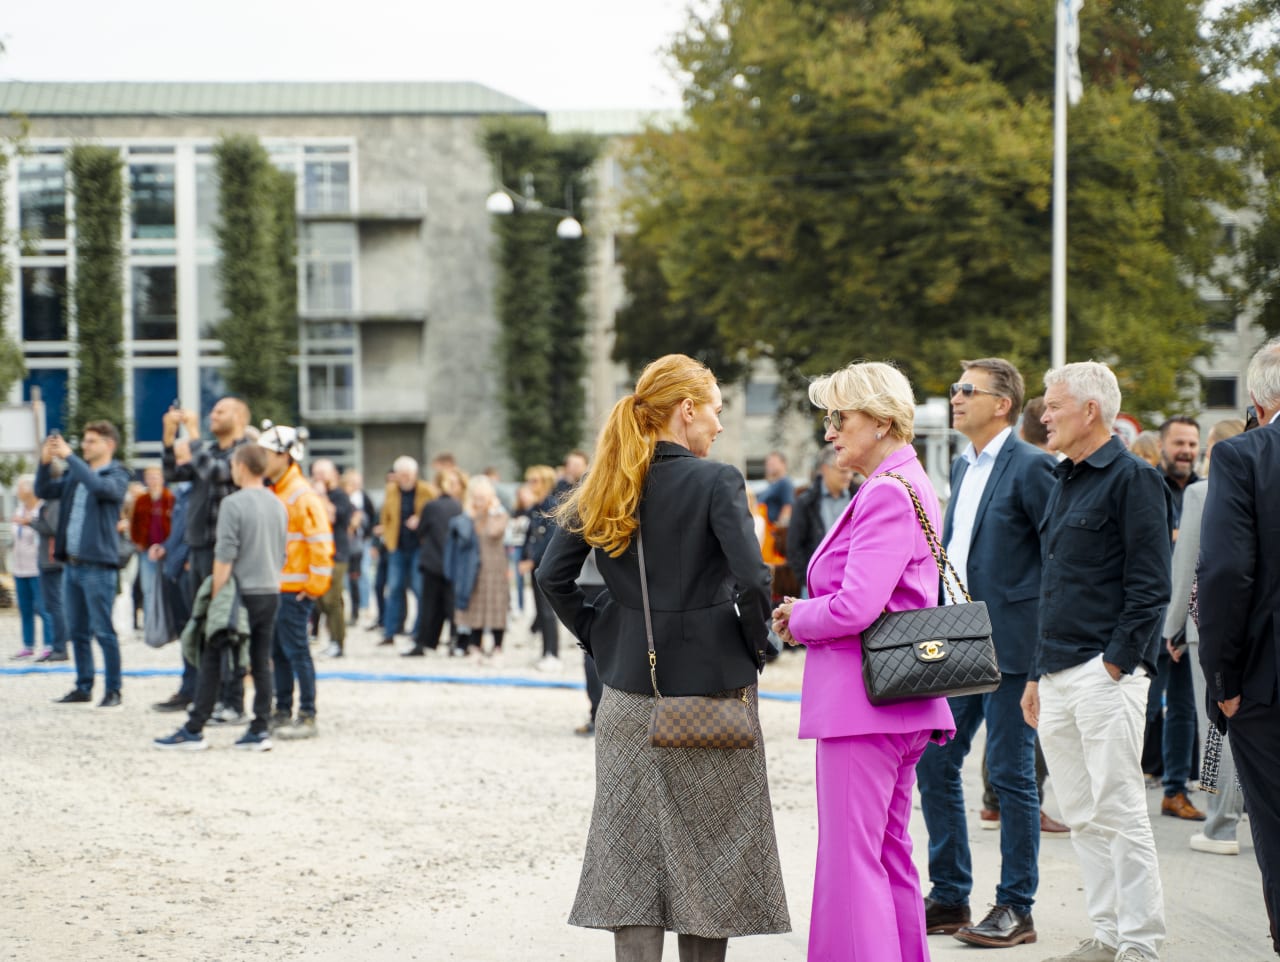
[
  {"x": 602, "y": 509},
  {"x": 542, "y": 477},
  {"x": 878, "y": 390},
  {"x": 1147, "y": 446},
  {"x": 478, "y": 485}
]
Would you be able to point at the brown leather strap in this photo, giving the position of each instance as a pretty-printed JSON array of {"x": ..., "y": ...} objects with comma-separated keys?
[
  {"x": 935, "y": 543},
  {"x": 648, "y": 618}
]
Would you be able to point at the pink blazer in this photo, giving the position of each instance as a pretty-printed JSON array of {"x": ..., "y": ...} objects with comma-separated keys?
[{"x": 874, "y": 558}]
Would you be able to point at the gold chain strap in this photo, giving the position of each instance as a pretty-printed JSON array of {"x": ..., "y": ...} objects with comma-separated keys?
[{"x": 935, "y": 543}]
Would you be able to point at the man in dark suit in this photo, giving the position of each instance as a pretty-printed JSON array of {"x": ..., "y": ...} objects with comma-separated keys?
[
  {"x": 999, "y": 488},
  {"x": 1239, "y": 594}
]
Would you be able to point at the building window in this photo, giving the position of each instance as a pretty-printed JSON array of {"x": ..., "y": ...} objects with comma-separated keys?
[
  {"x": 152, "y": 201},
  {"x": 155, "y": 303},
  {"x": 44, "y": 309},
  {"x": 212, "y": 387},
  {"x": 1220, "y": 392},
  {"x": 328, "y": 253},
  {"x": 154, "y": 389},
  {"x": 207, "y": 212},
  {"x": 42, "y": 198},
  {"x": 762, "y": 398},
  {"x": 52, "y": 383},
  {"x": 330, "y": 386},
  {"x": 326, "y": 186},
  {"x": 209, "y": 308},
  {"x": 1219, "y": 316}
]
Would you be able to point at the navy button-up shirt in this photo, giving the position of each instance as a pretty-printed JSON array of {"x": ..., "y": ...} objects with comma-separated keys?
[{"x": 1105, "y": 581}]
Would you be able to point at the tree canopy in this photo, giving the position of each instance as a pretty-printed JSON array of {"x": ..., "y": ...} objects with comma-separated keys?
[{"x": 873, "y": 179}]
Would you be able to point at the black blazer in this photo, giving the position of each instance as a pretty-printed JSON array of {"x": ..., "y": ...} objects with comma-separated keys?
[
  {"x": 807, "y": 529},
  {"x": 1004, "y": 554},
  {"x": 433, "y": 532},
  {"x": 708, "y": 586},
  {"x": 1239, "y": 570}
]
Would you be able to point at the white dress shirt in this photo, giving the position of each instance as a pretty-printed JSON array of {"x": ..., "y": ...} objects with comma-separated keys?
[{"x": 967, "y": 498}]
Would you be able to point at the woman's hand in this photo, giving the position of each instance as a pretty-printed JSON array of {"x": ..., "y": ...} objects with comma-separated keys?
[{"x": 782, "y": 620}]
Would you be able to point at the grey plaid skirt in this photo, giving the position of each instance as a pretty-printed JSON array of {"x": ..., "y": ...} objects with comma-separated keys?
[{"x": 680, "y": 838}]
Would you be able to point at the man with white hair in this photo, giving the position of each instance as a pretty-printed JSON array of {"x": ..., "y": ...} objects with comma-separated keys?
[
  {"x": 405, "y": 497},
  {"x": 1239, "y": 595},
  {"x": 1105, "y": 581}
]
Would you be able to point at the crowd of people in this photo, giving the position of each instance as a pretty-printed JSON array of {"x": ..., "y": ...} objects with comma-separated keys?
[{"x": 1131, "y": 594}]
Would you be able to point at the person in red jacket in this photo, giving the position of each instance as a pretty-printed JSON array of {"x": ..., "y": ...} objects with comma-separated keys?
[{"x": 149, "y": 528}]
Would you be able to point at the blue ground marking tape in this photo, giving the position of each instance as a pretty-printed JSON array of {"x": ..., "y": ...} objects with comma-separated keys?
[{"x": 497, "y": 681}]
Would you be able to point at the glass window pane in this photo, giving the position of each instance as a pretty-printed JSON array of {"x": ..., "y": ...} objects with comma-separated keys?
[
  {"x": 209, "y": 299},
  {"x": 42, "y": 197},
  {"x": 44, "y": 308},
  {"x": 155, "y": 303},
  {"x": 762, "y": 398},
  {"x": 328, "y": 241},
  {"x": 151, "y": 193},
  {"x": 326, "y": 186},
  {"x": 154, "y": 389},
  {"x": 207, "y": 219},
  {"x": 212, "y": 387},
  {"x": 328, "y": 287},
  {"x": 1220, "y": 392},
  {"x": 53, "y": 391}
]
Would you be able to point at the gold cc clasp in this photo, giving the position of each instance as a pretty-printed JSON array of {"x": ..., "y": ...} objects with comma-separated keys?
[{"x": 931, "y": 651}]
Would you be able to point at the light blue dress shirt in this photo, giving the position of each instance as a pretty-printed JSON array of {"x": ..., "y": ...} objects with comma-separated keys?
[{"x": 967, "y": 499}]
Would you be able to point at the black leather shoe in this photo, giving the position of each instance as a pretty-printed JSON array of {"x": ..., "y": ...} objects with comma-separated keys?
[
  {"x": 942, "y": 919},
  {"x": 74, "y": 697},
  {"x": 1004, "y": 926},
  {"x": 110, "y": 700}
]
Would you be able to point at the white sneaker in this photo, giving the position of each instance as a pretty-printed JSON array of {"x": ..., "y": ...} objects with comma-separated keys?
[
  {"x": 549, "y": 664},
  {"x": 1133, "y": 955},
  {"x": 1089, "y": 950},
  {"x": 1214, "y": 846}
]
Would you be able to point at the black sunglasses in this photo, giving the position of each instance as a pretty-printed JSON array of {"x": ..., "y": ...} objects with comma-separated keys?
[
  {"x": 833, "y": 420},
  {"x": 969, "y": 390}
]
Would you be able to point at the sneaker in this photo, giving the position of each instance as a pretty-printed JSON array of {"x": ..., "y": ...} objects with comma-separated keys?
[
  {"x": 1133, "y": 955},
  {"x": 1214, "y": 846},
  {"x": 1089, "y": 950},
  {"x": 111, "y": 700},
  {"x": 279, "y": 719},
  {"x": 549, "y": 664},
  {"x": 303, "y": 727},
  {"x": 175, "y": 702},
  {"x": 989, "y": 818},
  {"x": 183, "y": 741},
  {"x": 23, "y": 653},
  {"x": 252, "y": 741},
  {"x": 226, "y": 715},
  {"x": 44, "y": 655},
  {"x": 54, "y": 656},
  {"x": 74, "y": 697},
  {"x": 333, "y": 651}
]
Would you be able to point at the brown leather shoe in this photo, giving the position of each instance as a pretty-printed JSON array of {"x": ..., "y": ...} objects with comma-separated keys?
[
  {"x": 1179, "y": 807},
  {"x": 942, "y": 919},
  {"x": 1051, "y": 826}
]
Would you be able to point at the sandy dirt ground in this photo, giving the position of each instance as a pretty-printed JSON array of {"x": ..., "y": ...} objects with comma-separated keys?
[{"x": 429, "y": 820}]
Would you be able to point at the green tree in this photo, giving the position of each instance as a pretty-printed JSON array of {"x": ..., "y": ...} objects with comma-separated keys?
[
  {"x": 542, "y": 280},
  {"x": 98, "y": 293},
  {"x": 874, "y": 180},
  {"x": 12, "y": 367},
  {"x": 256, "y": 236}
]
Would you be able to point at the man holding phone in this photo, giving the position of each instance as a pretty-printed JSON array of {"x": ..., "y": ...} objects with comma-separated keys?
[{"x": 92, "y": 490}]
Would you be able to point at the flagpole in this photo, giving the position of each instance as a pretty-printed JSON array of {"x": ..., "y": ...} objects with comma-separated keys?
[{"x": 1058, "y": 329}]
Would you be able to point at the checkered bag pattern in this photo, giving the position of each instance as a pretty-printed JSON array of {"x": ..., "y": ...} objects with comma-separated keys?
[
  {"x": 930, "y": 652},
  {"x": 702, "y": 721}
]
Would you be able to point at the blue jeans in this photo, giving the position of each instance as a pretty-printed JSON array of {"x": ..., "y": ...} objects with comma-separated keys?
[
  {"x": 402, "y": 573},
  {"x": 87, "y": 594},
  {"x": 1011, "y": 761},
  {"x": 51, "y": 595},
  {"x": 291, "y": 654},
  {"x": 30, "y": 607},
  {"x": 1173, "y": 684}
]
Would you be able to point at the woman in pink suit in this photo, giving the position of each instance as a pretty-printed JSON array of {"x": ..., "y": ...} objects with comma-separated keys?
[{"x": 867, "y": 905}]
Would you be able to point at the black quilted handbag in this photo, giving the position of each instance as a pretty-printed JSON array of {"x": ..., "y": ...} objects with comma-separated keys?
[{"x": 931, "y": 652}]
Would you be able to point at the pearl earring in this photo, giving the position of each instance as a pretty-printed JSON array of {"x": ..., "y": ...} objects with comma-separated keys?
[{"x": 879, "y": 435}]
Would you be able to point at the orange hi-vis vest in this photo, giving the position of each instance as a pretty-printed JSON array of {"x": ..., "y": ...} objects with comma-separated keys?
[{"x": 308, "y": 560}]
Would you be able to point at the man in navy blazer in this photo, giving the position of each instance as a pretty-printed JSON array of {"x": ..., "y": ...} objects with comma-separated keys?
[
  {"x": 999, "y": 488},
  {"x": 1239, "y": 598}
]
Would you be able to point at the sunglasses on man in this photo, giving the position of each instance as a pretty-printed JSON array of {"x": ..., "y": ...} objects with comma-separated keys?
[{"x": 969, "y": 390}]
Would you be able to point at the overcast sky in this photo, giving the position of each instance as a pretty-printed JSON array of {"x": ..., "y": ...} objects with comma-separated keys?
[{"x": 553, "y": 54}]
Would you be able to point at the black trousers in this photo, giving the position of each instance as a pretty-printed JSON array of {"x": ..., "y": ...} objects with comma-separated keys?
[
  {"x": 262, "y": 623},
  {"x": 1255, "y": 743},
  {"x": 231, "y": 692},
  {"x": 437, "y": 608},
  {"x": 595, "y": 690}
]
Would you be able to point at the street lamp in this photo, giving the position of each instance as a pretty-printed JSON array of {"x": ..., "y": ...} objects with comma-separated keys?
[{"x": 506, "y": 200}]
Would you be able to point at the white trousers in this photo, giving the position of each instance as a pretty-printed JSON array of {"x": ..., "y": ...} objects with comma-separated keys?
[{"x": 1091, "y": 730}]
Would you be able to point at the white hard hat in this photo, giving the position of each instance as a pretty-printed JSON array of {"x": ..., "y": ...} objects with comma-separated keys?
[{"x": 283, "y": 439}]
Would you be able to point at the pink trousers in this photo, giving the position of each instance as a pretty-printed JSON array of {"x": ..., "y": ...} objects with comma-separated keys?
[{"x": 867, "y": 905}]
